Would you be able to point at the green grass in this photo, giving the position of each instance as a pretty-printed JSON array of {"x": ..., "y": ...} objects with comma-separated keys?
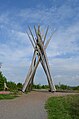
[
  {"x": 7, "y": 96},
  {"x": 66, "y": 107}
]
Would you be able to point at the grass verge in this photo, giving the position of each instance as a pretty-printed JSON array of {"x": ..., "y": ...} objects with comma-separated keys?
[
  {"x": 7, "y": 96},
  {"x": 66, "y": 107}
]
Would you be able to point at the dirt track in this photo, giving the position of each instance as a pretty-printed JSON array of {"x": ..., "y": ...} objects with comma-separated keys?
[{"x": 28, "y": 106}]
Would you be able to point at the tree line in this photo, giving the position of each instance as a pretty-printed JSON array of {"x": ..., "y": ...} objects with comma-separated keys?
[{"x": 12, "y": 86}]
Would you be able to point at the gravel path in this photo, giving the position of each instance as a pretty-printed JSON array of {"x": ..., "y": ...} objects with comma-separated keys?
[{"x": 28, "y": 106}]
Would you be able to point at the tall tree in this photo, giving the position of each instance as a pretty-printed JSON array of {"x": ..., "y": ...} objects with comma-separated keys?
[{"x": 2, "y": 80}]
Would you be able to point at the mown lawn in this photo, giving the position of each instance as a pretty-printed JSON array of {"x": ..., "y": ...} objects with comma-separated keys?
[
  {"x": 66, "y": 107},
  {"x": 7, "y": 96}
]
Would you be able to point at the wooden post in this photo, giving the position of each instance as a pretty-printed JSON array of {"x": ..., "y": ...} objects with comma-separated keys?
[{"x": 39, "y": 50}]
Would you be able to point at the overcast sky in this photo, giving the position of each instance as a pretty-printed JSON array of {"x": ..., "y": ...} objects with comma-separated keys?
[{"x": 63, "y": 50}]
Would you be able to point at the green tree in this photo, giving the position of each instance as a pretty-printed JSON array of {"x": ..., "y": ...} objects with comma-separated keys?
[
  {"x": 2, "y": 80},
  {"x": 64, "y": 87},
  {"x": 12, "y": 86}
]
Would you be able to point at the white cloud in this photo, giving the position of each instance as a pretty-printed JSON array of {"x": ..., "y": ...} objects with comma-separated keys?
[
  {"x": 65, "y": 41},
  {"x": 16, "y": 50}
]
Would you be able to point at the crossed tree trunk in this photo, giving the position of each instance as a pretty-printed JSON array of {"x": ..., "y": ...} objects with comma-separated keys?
[{"x": 39, "y": 46}]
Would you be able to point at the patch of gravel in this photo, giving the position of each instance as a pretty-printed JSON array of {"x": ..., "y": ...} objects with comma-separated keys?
[{"x": 28, "y": 106}]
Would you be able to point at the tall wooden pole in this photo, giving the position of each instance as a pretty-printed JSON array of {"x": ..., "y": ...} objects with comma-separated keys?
[{"x": 39, "y": 50}]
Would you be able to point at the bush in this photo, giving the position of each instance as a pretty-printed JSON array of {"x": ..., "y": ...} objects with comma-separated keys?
[
  {"x": 19, "y": 86},
  {"x": 64, "y": 107},
  {"x": 12, "y": 86}
]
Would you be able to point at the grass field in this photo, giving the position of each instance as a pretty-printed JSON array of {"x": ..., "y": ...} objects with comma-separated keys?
[
  {"x": 66, "y": 107},
  {"x": 7, "y": 96}
]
